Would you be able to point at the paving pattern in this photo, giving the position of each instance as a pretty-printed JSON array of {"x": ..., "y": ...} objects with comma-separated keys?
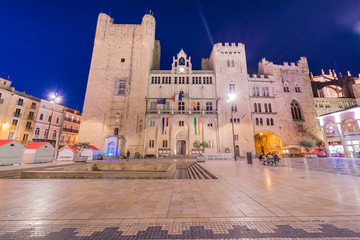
[{"x": 309, "y": 199}]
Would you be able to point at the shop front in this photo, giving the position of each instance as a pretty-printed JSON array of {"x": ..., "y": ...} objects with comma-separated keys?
[{"x": 336, "y": 149}]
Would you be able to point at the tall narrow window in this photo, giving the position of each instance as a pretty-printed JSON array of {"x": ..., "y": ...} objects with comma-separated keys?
[
  {"x": 259, "y": 106},
  {"x": 270, "y": 107},
  {"x": 228, "y": 63},
  {"x": 266, "y": 107},
  {"x": 233, "y": 107},
  {"x": 181, "y": 106},
  {"x": 209, "y": 106},
  {"x": 272, "y": 122},
  {"x": 267, "y": 122},
  {"x": 232, "y": 63},
  {"x": 295, "y": 110},
  {"x": 256, "y": 91},
  {"x": 165, "y": 143},
  {"x": 255, "y": 107},
  {"x": 256, "y": 121},
  {"x": 151, "y": 143},
  {"x": 286, "y": 87},
  {"x": 261, "y": 121}
]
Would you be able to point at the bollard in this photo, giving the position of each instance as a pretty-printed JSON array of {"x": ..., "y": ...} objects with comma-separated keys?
[{"x": 249, "y": 157}]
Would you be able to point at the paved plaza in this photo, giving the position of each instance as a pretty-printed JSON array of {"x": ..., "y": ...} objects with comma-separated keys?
[{"x": 301, "y": 199}]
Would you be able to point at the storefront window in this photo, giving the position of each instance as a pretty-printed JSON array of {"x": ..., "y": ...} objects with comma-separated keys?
[{"x": 336, "y": 150}]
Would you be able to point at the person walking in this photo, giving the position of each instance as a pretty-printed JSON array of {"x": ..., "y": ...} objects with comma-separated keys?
[{"x": 127, "y": 155}]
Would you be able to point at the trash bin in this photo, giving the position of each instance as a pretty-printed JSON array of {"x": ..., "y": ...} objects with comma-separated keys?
[{"x": 249, "y": 157}]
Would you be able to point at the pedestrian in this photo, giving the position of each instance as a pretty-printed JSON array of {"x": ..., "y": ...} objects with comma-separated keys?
[{"x": 127, "y": 155}]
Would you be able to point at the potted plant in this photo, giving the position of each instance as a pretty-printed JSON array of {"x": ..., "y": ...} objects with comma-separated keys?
[
  {"x": 308, "y": 144},
  {"x": 201, "y": 145}
]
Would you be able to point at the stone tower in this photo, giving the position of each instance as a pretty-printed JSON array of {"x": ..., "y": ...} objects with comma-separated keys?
[
  {"x": 115, "y": 103},
  {"x": 295, "y": 104},
  {"x": 229, "y": 63}
]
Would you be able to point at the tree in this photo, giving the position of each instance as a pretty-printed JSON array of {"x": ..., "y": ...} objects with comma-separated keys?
[
  {"x": 307, "y": 144},
  {"x": 203, "y": 145},
  {"x": 82, "y": 145}
]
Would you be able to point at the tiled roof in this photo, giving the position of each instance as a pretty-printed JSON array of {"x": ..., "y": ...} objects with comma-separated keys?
[
  {"x": 3, "y": 142},
  {"x": 93, "y": 147},
  {"x": 73, "y": 148},
  {"x": 35, "y": 145}
]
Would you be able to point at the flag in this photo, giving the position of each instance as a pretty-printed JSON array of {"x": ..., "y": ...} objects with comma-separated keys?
[
  {"x": 197, "y": 126},
  {"x": 177, "y": 97},
  {"x": 161, "y": 101},
  {"x": 194, "y": 105},
  {"x": 164, "y": 124}
]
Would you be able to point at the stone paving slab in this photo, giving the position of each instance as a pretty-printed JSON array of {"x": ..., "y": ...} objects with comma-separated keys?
[{"x": 245, "y": 202}]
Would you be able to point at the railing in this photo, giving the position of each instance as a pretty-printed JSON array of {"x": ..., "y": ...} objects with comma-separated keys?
[
  {"x": 29, "y": 129},
  {"x": 196, "y": 112},
  {"x": 20, "y": 103},
  {"x": 70, "y": 130},
  {"x": 71, "y": 120},
  {"x": 13, "y": 127},
  {"x": 30, "y": 117},
  {"x": 267, "y": 113},
  {"x": 33, "y": 106}
]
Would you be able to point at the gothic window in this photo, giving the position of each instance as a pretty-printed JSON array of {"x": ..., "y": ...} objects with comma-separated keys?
[
  {"x": 259, "y": 106},
  {"x": 297, "y": 88},
  {"x": 295, "y": 110},
  {"x": 269, "y": 107},
  {"x": 209, "y": 106},
  {"x": 271, "y": 122},
  {"x": 152, "y": 80},
  {"x": 210, "y": 123},
  {"x": 119, "y": 87},
  {"x": 266, "y": 107},
  {"x": 187, "y": 80},
  {"x": 256, "y": 91},
  {"x": 256, "y": 121},
  {"x": 267, "y": 122},
  {"x": 181, "y": 61},
  {"x": 261, "y": 121},
  {"x": 286, "y": 87},
  {"x": 210, "y": 80},
  {"x": 231, "y": 87},
  {"x": 232, "y": 63},
  {"x": 228, "y": 63},
  {"x": 116, "y": 131},
  {"x": 255, "y": 107},
  {"x": 266, "y": 91},
  {"x": 181, "y": 123},
  {"x": 165, "y": 143},
  {"x": 181, "y": 106}
]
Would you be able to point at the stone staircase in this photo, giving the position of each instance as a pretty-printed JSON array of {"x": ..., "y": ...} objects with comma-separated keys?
[{"x": 195, "y": 171}]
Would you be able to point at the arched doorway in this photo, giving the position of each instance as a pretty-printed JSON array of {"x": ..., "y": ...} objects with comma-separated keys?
[
  {"x": 237, "y": 150},
  {"x": 180, "y": 142},
  {"x": 266, "y": 142}
]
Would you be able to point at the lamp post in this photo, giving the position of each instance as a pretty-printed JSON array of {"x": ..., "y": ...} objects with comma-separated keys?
[
  {"x": 230, "y": 100},
  {"x": 54, "y": 98}
]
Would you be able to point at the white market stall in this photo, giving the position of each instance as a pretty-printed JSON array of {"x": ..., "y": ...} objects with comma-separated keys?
[
  {"x": 39, "y": 152},
  {"x": 67, "y": 153},
  {"x": 91, "y": 152},
  {"x": 11, "y": 152}
]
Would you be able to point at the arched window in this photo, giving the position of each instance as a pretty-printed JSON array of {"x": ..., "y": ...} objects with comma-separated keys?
[
  {"x": 255, "y": 107},
  {"x": 271, "y": 122},
  {"x": 266, "y": 107},
  {"x": 181, "y": 61},
  {"x": 295, "y": 110},
  {"x": 256, "y": 91},
  {"x": 267, "y": 122},
  {"x": 259, "y": 106},
  {"x": 228, "y": 63},
  {"x": 37, "y": 131},
  {"x": 253, "y": 91},
  {"x": 54, "y": 134},
  {"x": 286, "y": 87},
  {"x": 350, "y": 126},
  {"x": 256, "y": 121},
  {"x": 297, "y": 88},
  {"x": 269, "y": 107},
  {"x": 331, "y": 129},
  {"x": 232, "y": 63},
  {"x": 261, "y": 121}
]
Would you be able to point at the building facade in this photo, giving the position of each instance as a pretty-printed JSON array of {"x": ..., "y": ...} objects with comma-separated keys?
[
  {"x": 17, "y": 112},
  {"x": 163, "y": 112},
  {"x": 70, "y": 127}
]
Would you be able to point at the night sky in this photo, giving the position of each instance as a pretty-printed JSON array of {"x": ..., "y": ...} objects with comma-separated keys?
[{"x": 47, "y": 45}]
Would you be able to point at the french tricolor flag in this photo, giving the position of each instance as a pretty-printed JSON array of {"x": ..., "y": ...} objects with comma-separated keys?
[
  {"x": 164, "y": 124},
  {"x": 177, "y": 97}
]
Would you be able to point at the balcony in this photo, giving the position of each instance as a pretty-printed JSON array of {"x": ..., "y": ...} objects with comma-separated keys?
[
  {"x": 273, "y": 113},
  {"x": 30, "y": 117},
  {"x": 172, "y": 112},
  {"x": 71, "y": 120},
  {"x": 33, "y": 107},
  {"x": 70, "y": 130},
  {"x": 28, "y": 129},
  {"x": 13, "y": 127},
  {"x": 20, "y": 103}
]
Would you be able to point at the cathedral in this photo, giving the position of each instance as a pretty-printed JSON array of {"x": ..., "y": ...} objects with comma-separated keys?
[{"x": 131, "y": 104}]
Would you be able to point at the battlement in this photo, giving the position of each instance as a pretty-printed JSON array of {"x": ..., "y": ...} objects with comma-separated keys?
[
  {"x": 228, "y": 46},
  {"x": 299, "y": 64}
]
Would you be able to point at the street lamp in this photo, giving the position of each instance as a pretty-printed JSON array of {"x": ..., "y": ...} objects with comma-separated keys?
[
  {"x": 54, "y": 98},
  {"x": 231, "y": 98}
]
